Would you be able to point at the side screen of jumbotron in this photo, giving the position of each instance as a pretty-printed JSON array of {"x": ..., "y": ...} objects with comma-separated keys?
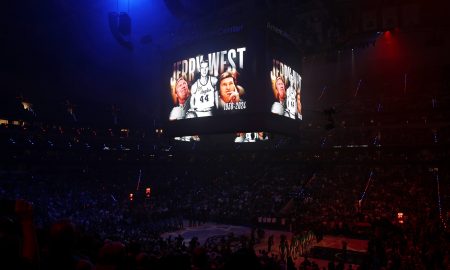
[
  {"x": 283, "y": 62},
  {"x": 208, "y": 84},
  {"x": 286, "y": 88}
]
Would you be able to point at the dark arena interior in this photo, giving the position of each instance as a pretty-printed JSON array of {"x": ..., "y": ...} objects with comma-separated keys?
[{"x": 238, "y": 134}]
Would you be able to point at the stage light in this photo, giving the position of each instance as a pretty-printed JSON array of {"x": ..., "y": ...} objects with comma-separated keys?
[
  {"x": 124, "y": 132},
  {"x": 26, "y": 106},
  {"x": 400, "y": 217}
]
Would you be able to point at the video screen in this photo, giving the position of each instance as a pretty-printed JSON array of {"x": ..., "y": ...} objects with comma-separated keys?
[
  {"x": 239, "y": 137},
  {"x": 229, "y": 82},
  {"x": 246, "y": 137},
  {"x": 192, "y": 138},
  {"x": 286, "y": 88},
  {"x": 208, "y": 84}
]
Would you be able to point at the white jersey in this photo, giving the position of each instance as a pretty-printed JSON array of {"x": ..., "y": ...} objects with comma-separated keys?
[
  {"x": 278, "y": 108},
  {"x": 291, "y": 102},
  {"x": 203, "y": 95},
  {"x": 251, "y": 136},
  {"x": 178, "y": 112}
]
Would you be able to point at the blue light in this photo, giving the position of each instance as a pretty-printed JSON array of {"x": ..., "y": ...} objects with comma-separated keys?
[
  {"x": 436, "y": 175},
  {"x": 367, "y": 186},
  {"x": 322, "y": 143},
  {"x": 379, "y": 107}
]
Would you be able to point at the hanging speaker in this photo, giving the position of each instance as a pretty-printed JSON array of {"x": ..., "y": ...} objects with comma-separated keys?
[
  {"x": 369, "y": 21},
  {"x": 120, "y": 30},
  {"x": 390, "y": 18},
  {"x": 410, "y": 15},
  {"x": 113, "y": 22},
  {"x": 124, "y": 24}
]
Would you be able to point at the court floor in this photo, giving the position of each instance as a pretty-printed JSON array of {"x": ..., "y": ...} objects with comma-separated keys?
[{"x": 207, "y": 230}]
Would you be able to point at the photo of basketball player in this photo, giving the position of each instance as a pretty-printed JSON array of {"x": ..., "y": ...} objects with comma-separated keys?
[
  {"x": 242, "y": 137},
  {"x": 204, "y": 96},
  {"x": 279, "y": 90},
  {"x": 230, "y": 93},
  {"x": 286, "y": 90},
  {"x": 291, "y": 99},
  {"x": 180, "y": 96},
  {"x": 299, "y": 105}
]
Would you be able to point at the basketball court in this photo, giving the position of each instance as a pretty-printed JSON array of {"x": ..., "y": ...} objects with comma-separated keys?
[{"x": 320, "y": 252}]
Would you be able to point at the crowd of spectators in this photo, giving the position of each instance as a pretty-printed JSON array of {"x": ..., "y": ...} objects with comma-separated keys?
[{"x": 327, "y": 190}]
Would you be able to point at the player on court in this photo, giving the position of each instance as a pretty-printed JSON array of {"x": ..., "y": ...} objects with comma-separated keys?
[{"x": 204, "y": 96}]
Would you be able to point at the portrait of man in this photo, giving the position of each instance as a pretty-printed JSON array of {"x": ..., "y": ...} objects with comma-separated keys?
[
  {"x": 299, "y": 106},
  {"x": 229, "y": 92},
  {"x": 279, "y": 90},
  {"x": 180, "y": 96}
]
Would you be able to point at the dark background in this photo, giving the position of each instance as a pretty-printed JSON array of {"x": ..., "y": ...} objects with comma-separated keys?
[{"x": 54, "y": 51}]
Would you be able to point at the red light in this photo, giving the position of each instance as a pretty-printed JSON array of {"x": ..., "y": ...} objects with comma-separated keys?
[
  {"x": 131, "y": 196},
  {"x": 148, "y": 192}
]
